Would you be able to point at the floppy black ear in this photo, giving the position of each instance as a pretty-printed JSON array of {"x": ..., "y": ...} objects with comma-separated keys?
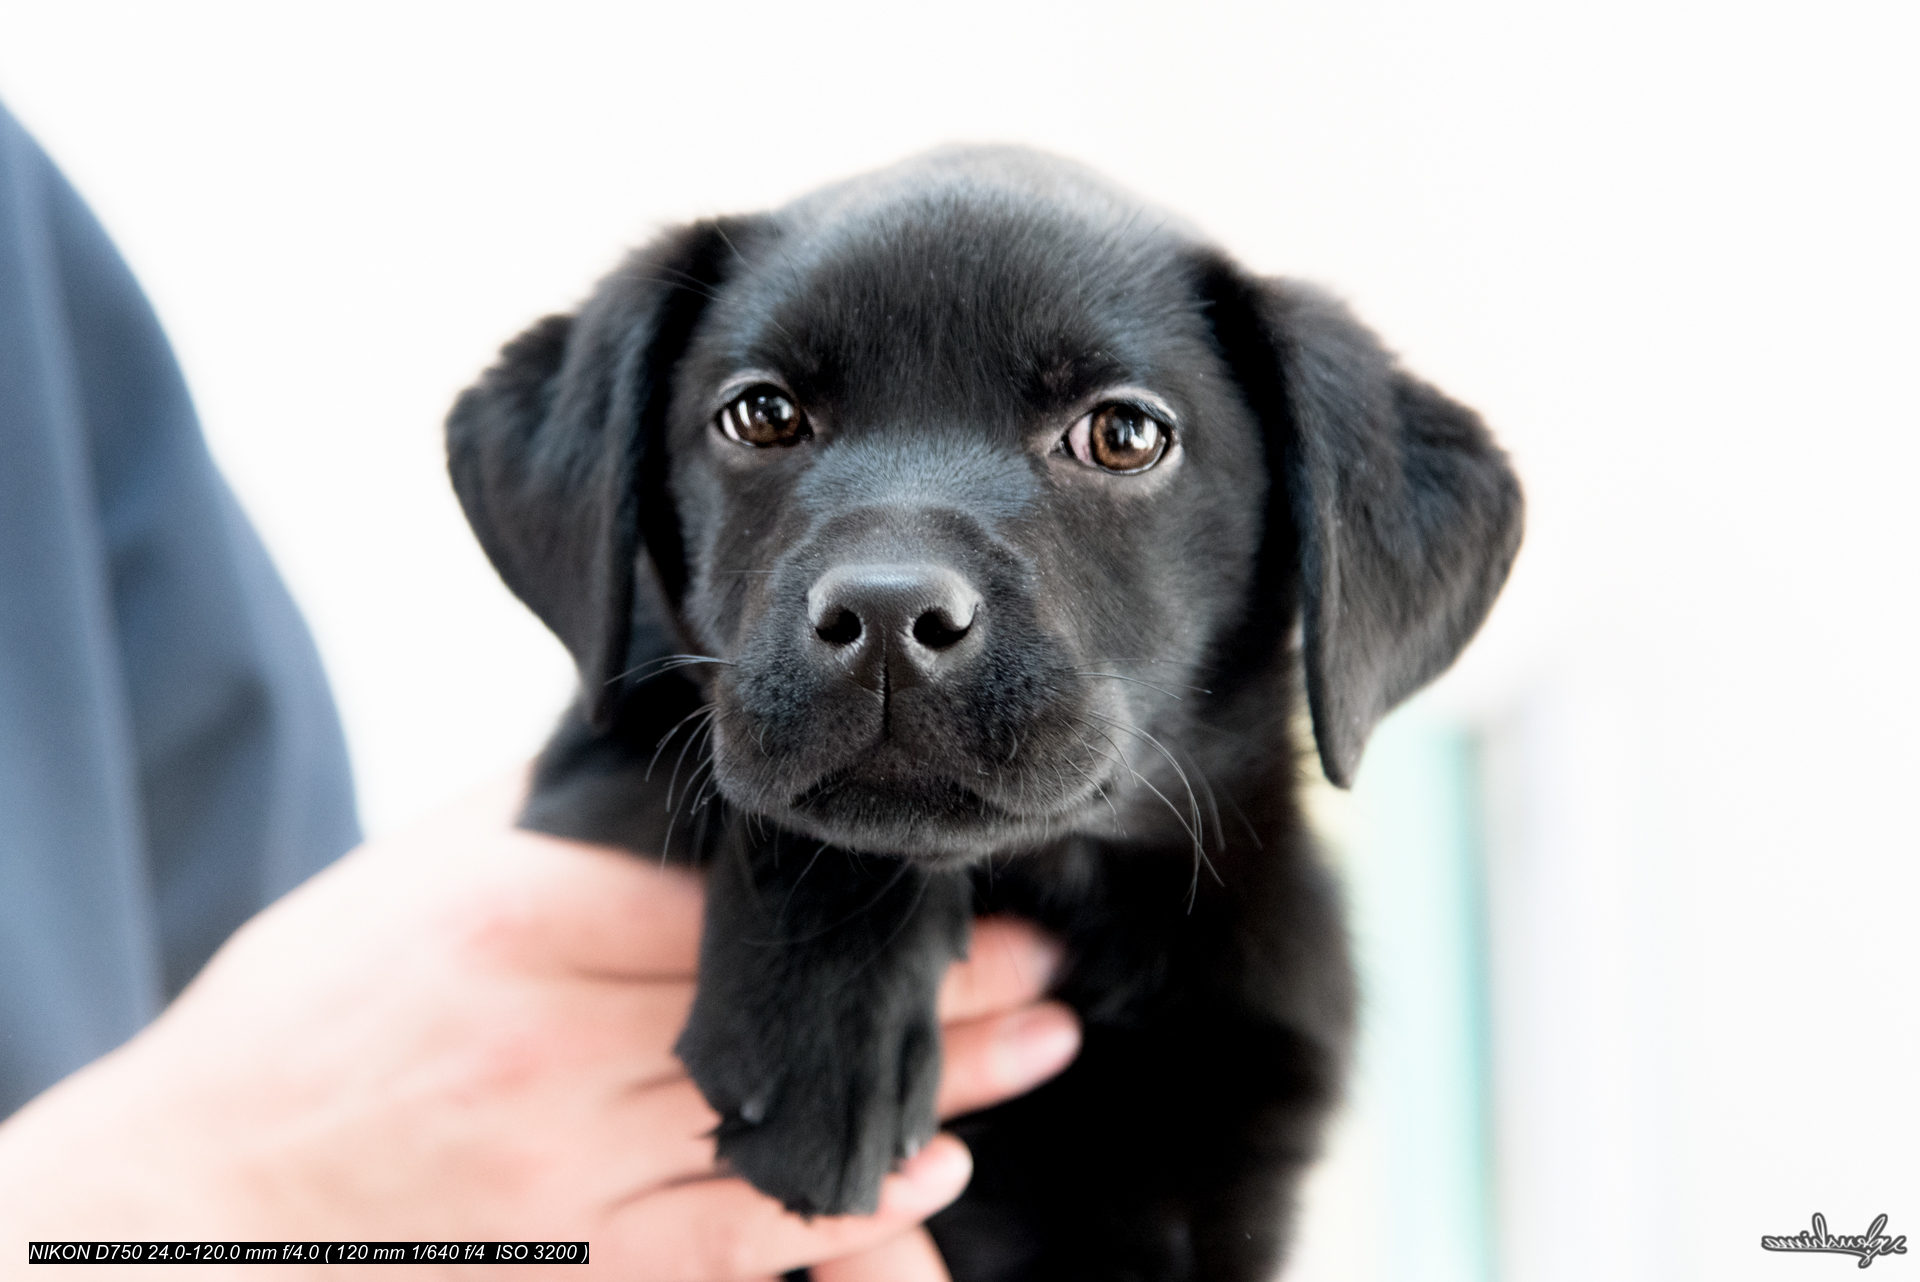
[
  {"x": 558, "y": 456},
  {"x": 1406, "y": 514}
]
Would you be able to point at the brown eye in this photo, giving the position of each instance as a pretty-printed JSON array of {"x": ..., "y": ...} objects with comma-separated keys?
[
  {"x": 1118, "y": 438},
  {"x": 763, "y": 415}
]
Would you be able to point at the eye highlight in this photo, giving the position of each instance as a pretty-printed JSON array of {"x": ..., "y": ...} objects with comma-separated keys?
[
  {"x": 763, "y": 416},
  {"x": 1118, "y": 437}
]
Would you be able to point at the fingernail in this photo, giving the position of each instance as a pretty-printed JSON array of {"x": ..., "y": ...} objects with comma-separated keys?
[
  {"x": 1034, "y": 1044},
  {"x": 929, "y": 1179},
  {"x": 1047, "y": 954},
  {"x": 1035, "y": 955}
]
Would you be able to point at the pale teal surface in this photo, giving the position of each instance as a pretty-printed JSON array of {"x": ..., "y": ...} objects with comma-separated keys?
[{"x": 1414, "y": 877}]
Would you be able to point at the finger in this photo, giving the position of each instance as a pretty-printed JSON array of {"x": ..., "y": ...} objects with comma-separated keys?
[
  {"x": 594, "y": 908},
  {"x": 660, "y": 1135},
  {"x": 609, "y": 913},
  {"x": 726, "y": 1229},
  {"x": 613, "y": 1032},
  {"x": 542, "y": 904},
  {"x": 988, "y": 1060},
  {"x": 1010, "y": 963},
  {"x": 911, "y": 1257}
]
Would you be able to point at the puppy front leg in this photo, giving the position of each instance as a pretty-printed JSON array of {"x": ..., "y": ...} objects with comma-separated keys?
[{"x": 813, "y": 1031}]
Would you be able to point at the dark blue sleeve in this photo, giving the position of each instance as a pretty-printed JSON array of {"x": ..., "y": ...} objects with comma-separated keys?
[{"x": 170, "y": 758}]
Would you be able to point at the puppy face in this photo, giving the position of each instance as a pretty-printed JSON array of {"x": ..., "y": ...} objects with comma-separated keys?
[
  {"x": 968, "y": 497},
  {"x": 982, "y": 495}
]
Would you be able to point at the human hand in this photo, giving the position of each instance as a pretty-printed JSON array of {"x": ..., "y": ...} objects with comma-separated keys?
[{"x": 466, "y": 1033}]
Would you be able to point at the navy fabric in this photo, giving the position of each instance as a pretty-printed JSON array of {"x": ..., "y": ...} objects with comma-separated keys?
[{"x": 170, "y": 759}]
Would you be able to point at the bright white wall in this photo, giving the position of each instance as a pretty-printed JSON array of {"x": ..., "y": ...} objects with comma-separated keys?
[{"x": 1668, "y": 249}]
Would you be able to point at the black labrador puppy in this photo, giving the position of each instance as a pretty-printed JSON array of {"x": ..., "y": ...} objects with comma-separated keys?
[{"x": 958, "y": 539}]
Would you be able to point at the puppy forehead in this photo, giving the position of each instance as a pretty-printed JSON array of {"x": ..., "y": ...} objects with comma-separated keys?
[{"x": 965, "y": 296}]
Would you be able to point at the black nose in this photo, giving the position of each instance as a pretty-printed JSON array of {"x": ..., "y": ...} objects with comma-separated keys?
[{"x": 898, "y": 615}]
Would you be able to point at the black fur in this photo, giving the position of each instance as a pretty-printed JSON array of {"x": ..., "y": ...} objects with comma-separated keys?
[{"x": 1096, "y": 733}]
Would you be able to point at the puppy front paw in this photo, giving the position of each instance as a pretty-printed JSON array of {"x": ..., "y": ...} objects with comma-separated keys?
[
  {"x": 813, "y": 1031},
  {"x": 816, "y": 1112}
]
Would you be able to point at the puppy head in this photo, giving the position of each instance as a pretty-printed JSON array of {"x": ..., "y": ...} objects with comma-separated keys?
[{"x": 974, "y": 484}]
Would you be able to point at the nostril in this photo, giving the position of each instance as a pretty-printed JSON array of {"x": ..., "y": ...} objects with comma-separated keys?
[
  {"x": 937, "y": 630},
  {"x": 841, "y": 627}
]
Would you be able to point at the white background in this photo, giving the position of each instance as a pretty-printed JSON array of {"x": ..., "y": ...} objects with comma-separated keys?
[{"x": 1669, "y": 251}]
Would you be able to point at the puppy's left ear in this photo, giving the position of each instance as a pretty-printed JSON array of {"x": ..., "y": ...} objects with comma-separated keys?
[
  {"x": 1405, "y": 513},
  {"x": 558, "y": 456}
]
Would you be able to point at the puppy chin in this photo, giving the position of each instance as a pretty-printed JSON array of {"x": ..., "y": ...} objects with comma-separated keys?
[
  {"x": 928, "y": 820},
  {"x": 931, "y": 821},
  {"x": 934, "y": 844}
]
